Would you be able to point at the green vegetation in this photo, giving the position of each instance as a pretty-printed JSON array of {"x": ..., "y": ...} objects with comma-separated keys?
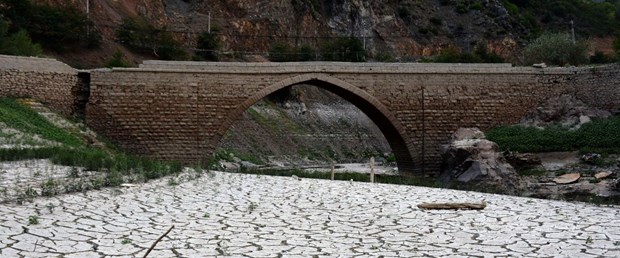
[
  {"x": 556, "y": 49},
  {"x": 26, "y": 120},
  {"x": 140, "y": 35},
  {"x": 344, "y": 50},
  {"x": 117, "y": 60},
  {"x": 282, "y": 52},
  {"x": 18, "y": 44},
  {"x": 600, "y": 135},
  {"x": 56, "y": 28},
  {"x": 33, "y": 220},
  {"x": 208, "y": 46},
  {"x": 617, "y": 46},
  {"x": 70, "y": 150},
  {"x": 600, "y": 18},
  {"x": 481, "y": 54}
]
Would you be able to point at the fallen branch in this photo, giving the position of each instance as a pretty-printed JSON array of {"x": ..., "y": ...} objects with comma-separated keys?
[
  {"x": 157, "y": 241},
  {"x": 453, "y": 206}
]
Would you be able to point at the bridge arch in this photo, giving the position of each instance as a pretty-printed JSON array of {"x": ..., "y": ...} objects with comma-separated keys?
[{"x": 391, "y": 128}]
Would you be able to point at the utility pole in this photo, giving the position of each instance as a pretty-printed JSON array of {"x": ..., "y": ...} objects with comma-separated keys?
[
  {"x": 88, "y": 19},
  {"x": 572, "y": 28}
]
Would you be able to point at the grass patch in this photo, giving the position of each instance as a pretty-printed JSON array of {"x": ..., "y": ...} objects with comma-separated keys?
[
  {"x": 600, "y": 136},
  {"x": 27, "y": 120},
  {"x": 74, "y": 152}
]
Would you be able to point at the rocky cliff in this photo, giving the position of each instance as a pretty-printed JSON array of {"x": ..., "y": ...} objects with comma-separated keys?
[{"x": 405, "y": 29}]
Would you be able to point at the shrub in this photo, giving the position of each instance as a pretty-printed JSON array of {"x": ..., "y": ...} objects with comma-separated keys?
[
  {"x": 208, "y": 46},
  {"x": 280, "y": 52},
  {"x": 138, "y": 34},
  {"x": 556, "y": 49},
  {"x": 18, "y": 44},
  {"x": 616, "y": 46},
  {"x": 345, "y": 50},
  {"x": 117, "y": 60},
  {"x": 601, "y": 58},
  {"x": 600, "y": 135},
  {"x": 57, "y": 28}
]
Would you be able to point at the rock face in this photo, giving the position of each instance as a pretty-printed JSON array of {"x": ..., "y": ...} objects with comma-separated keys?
[
  {"x": 470, "y": 158},
  {"x": 565, "y": 110}
]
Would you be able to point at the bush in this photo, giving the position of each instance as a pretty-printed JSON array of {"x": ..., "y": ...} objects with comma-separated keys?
[
  {"x": 117, "y": 60},
  {"x": 556, "y": 49},
  {"x": 600, "y": 58},
  {"x": 481, "y": 54},
  {"x": 57, "y": 28},
  {"x": 18, "y": 44},
  {"x": 344, "y": 50},
  {"x": 600, "y": 135},
  {"x": 282, "y": 52},
  {"x": 138, "y": 34},
  {"x": 208, "y": 46},
  {"x": 616, "y": 46}
]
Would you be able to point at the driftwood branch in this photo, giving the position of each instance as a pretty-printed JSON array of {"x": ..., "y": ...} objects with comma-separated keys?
[
  {"x": 157, "y": 241},
  {"x": 453, "y": 206}
]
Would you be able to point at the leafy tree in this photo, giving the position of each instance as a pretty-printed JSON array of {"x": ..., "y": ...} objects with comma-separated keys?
[
  {"x": 280, "y": 52},
  {"x": 18, "y": 43},
  {"x": 617, "y": 46},
  {"x": 117, "y": 60},
  {"x": 208, "y": 46},
  {"x": 556, "y": 49},
  {"x": 56, "y": 28},
  {"x": 345, "y": 50},
  {"x": 139, "y": 35}
]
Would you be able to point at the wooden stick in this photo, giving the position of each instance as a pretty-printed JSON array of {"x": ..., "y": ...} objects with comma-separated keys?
[
  {"x": 157, "y": 241},
  {"x": 453, "y": 206},
  {"x": 372, "y": 169},
  {"x": 333, "y": 172}
]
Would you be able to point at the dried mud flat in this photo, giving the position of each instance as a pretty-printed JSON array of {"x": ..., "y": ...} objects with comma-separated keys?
[{"x": 239, "y": 215}]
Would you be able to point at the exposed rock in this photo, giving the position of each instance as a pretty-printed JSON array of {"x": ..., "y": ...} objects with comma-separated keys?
[
  {"x": 564, "y": 110},
  {"x": 470, "y": 158},
  {"x": 603, "y": 174},
  {"x": 590, "y": 158},
  {"x": 522, "y": 160},
  {"x": 567, "y": 178}
]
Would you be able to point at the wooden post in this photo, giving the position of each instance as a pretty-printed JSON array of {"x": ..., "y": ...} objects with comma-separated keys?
[
  {"x": 332, "y": 172},
  {"x": 372, "y": 169}
]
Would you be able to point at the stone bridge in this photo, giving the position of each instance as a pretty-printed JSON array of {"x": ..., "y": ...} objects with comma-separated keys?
[{"x": 181, "y": 110}]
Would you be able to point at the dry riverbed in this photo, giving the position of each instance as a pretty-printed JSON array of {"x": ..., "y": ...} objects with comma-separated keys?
[{"x": 228, "y": 214}]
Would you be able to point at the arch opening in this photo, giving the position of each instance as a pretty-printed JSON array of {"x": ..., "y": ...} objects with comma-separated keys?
[{"x": 389, "y": 127}]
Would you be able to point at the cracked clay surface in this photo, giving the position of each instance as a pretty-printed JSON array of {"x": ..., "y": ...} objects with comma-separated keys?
[{"x": 237, "y": 215}]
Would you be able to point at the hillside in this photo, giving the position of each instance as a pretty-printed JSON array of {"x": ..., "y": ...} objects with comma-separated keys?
[{"x": 403, "y": 30}]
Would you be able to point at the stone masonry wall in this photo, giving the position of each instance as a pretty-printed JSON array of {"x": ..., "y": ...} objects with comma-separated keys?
[
  {"x": 45, "y": 80},
  {"x": 180, "y": 110}
]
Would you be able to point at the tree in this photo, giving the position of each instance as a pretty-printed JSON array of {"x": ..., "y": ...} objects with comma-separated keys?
[
  {"x": 139, "y": 35},
  {"x": 208, "y": 46},
  {"x": 280, "y": 52},
  {"x": 345, "y": 50},
  {"x": 18, "y": 43},
  {"x": 556, "y": 49},
  {"x": 117, "y": 60},
  {"x": 617, "y": 46}
]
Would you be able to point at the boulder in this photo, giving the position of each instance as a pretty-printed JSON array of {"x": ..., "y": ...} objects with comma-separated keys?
[
  {"x": 567, "y": 178},
  {"x": 590, "y": 158},
  {"x": 602, "y": 175},
  {"x": 470, "y": 158},
  {"x": 522, "y": 160}
]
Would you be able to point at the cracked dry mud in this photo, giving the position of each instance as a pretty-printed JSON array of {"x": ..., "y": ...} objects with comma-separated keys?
[{"x": 228, "y": 214}]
